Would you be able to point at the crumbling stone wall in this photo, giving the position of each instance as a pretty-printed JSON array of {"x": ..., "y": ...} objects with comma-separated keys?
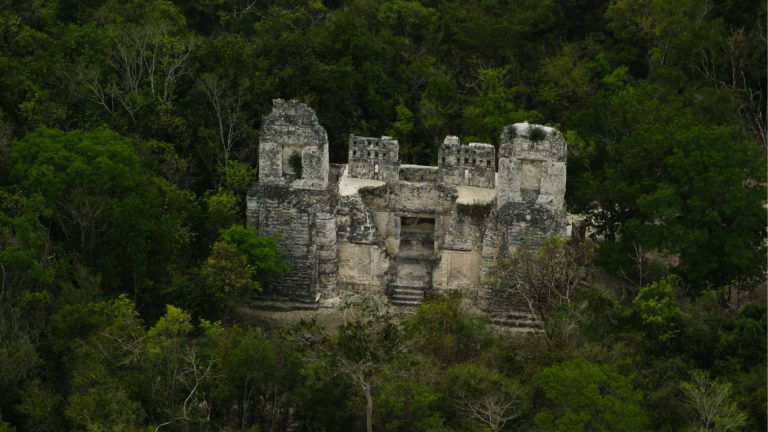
[
  {"x": 373, "y": 158},
  {"x": 302, "y": 219},
  {"x": 419, "y": 174},
  {"x": 472, "y": 165}
]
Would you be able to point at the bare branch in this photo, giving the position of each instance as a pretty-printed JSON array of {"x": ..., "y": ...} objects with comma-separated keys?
[{"x": 227, "y": 107}]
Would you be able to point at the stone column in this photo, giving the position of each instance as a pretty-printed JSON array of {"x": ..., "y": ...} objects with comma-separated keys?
[{"x": 327, "y": 264}]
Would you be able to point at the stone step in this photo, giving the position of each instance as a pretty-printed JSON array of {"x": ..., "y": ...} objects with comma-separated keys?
[
  {"x": 421, "y": 259},
  {"x": 412, "y": 281},
  {"x": 408, "y": 293},
  {"x": 418, "y": 300},
  {"x": 520, "y": 316},
  {"x": 281, "y": 304},
  {"x": 401, "y": 302},
  {"x": 518, "y": 320},
  {"x": 406, "y": 297},
  {"x": 517, "y": 324},
  {"x": 405, "y": 284}
]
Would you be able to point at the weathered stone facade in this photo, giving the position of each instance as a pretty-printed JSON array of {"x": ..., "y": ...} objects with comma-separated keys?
[{"x": 379, "y": 226}]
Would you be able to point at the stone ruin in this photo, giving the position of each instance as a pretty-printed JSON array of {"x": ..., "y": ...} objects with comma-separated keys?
[{"x": 375, "y": 225}]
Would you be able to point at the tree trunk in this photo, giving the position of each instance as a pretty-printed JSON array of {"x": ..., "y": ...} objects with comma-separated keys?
[{"x": 369, "y": 407}]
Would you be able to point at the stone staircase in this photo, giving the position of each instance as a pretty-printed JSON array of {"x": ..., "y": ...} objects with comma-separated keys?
[
  {"x": 278, "y": 303},
  {"x": 404, "y": 295},
  {"x": 413, "y": 279},
  {"x": 523, "y": 321}
]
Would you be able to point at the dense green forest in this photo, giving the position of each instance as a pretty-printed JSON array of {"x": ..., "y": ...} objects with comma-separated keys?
[{"x": 128, "y": 136}]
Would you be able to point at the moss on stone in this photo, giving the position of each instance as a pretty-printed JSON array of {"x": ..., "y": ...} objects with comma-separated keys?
[{"x": 538, "y": 134}]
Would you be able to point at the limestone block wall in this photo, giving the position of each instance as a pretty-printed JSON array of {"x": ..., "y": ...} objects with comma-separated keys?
[
  {"x": 471, "y": 165},
  {"x": 411, "y": 198},
  {"x": 527, "y": 223},
  {"x": 459, "y": 267},
  {"x": 509, "y": 227},
  {"x": 458, "y": 270},
  {"x": 362, "y": 268},
  {"x": 304, "y": 221},
  {"x": 354, "y": 221},
  {"x": 419, "y": 173},
  {"x": 465, "y": 232},
  {"x": 373, "y": 158},
  {"x": 388, "y": 227},
  {"x": 363, "y": 262},
  {"x": 292, "y": 127},
  {"x": 552, "y": 190}
]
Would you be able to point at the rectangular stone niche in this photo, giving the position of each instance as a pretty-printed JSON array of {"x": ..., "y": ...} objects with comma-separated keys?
[
  {"x": 288, "y": 150},
  {"x": 530, "y": 182},
  {"x": 417, "y": 237}
]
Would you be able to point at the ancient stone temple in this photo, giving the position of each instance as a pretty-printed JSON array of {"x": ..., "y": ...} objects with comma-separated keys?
[{"x": 376, "y": 225}]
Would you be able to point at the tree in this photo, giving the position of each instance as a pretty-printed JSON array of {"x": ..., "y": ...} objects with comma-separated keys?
[
  {"x": 584, "y": 396},
  {"x": 239, "y": 263},
  {"x": 441, "y": 328},
  {"x": 259, "y": 378},
  {"x": 660, "y": 313},
  {"x": 742, "y": 338},
  {"x": 494, "y": 106},
  {"x": 228, "y": 278},
  {"x": 404, "y": 404},
  {"x": 181, "y": 371},
  {"x": 648, "y": 173},
  {"x": 713, "y": 402},
  {"x": 77, "y": 174},
  {"x": 402, "y": 128},
  {"x": 698, "y": 42},
  {"x": 369, "y": 337},
  {"x": 227, "y": 106},
  {"x": 6, "y": 131},
  {"x": 236, "y": 177},
  {"x": 222, "y": 211},
  {"x": 484, "y": 396},
  {"x": 26, "y": 263},
  {"x": 146, "y": 56},
  {"x": 441, "y": 101},
  {"x": 261, "y": 252},
  {"x": 232, "y": 87},
  {"x": 129, "y": 224},
  {"x": 27, "y": 269},
  {"x": 104, "y": 388},
  {"x": 42, "y": 406},
  {"x": 545, "y": 278}
]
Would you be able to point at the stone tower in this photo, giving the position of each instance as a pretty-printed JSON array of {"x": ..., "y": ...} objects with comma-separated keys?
[
  {"x": 532, "y": 166},
  {"x": 530, "y": 197},
  {"x": 297, "y": 206}
]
